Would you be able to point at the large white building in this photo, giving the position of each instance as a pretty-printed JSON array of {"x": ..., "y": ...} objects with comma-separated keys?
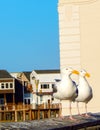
[
  {"x": 42, "y": 82},
  {"x": 79, "y": 37}
]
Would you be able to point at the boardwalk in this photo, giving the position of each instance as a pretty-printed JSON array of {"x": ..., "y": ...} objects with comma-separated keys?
[{"x": 82, "y": 123}]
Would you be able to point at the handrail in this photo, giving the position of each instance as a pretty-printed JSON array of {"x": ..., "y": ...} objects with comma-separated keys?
[{"x": 28, "y": 106}]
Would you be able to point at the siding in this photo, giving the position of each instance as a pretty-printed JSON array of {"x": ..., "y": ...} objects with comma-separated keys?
[{"x": 69, "y": 32}]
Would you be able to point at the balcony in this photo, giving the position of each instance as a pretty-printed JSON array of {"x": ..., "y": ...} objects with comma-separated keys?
[{"x": 41, "y": 92}]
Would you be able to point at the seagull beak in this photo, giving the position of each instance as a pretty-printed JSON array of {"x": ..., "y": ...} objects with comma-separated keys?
[
  {"x": 75, "y": 72},
  {"x": 87, "y": 75}
]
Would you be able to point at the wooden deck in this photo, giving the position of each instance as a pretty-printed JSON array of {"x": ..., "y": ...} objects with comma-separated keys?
[
  {"x": 26, "y": 112},
  {"x": 82, "y": 123}
]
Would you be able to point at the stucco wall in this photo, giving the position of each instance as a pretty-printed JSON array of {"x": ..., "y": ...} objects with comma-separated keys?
[{"x": 88, "y": 47}]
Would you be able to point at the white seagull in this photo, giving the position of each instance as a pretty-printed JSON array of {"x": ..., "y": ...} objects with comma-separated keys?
[
  {"x": 66, "y": 88},
  {"x": 84, "y": 90}
]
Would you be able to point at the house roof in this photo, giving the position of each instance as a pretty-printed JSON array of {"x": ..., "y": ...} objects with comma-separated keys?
[
  {"x": 47, "y": 71},
  {"x": 5, "y": 74},
  {"x": 27, "y": 74}
]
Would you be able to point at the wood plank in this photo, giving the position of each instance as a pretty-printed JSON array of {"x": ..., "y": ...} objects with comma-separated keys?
[{"x": 16, "y": 116}]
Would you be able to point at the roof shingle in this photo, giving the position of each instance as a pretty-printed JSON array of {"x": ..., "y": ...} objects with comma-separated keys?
[{"x": 5, "y": 74}]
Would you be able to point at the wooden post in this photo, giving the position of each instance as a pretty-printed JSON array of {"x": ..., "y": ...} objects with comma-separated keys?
[
  {"x": 38, "y": 114},
  {"x": 55, "y": 111},
  {"x": 24, "y": 114},
  {"x": 33, "y": 114},
  {"x": 16, "y": 116},
  {"x": 30, "y": 114},
  {"x": 5, "y": 100},
  {"x": 49, "y": 111},
  {"x": 49, "y": 104},
  {"x": 43, "y": 114},
  {"x": 4, "y": 116},
  {"x": 13, "y": 101}
]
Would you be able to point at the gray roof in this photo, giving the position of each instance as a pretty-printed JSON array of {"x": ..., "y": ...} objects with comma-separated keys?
[
  {"x": 27, "y": 74},
  {"x": 47, "y": 71},
  {"x": 5, "y": 74}
]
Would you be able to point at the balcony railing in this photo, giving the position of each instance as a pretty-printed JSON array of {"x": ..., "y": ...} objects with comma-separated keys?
[
  {"x": 22, "y": 106},
  {"x": 14, "y": 107}
]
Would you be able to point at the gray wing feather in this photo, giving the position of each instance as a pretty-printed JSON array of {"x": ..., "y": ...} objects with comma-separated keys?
[{"x": 54, "y": 88}]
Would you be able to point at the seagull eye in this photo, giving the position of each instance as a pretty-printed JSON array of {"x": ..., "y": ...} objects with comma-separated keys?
[{"x": 66, "y": 69}]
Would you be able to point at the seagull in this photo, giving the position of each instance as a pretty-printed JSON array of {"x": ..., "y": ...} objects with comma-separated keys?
[
  {"x": 85, "y": 93},
  {"x": 66, "y": 88}
]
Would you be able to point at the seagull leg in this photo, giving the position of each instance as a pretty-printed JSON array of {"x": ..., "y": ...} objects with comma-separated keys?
[
  {"x": 78, "y": 109},
  {"x": 86, "y": 114},
  {"x": 71, "y": 117},
  {"x": 60, "y": 109}
]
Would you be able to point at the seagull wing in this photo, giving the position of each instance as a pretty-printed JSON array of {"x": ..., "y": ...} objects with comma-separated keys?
[
  {"x": 76, "y": 93},
  {"x": 55, "y": 85},
  {"x": 54, "y": 88}
]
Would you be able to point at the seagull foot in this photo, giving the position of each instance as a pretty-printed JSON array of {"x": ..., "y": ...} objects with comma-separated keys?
[
  {"x": 73, "y": 119},
  {"x": 87, "y": 115},
  {"x": 61, "y": 117},
  {"x": 84, "y": 115}
]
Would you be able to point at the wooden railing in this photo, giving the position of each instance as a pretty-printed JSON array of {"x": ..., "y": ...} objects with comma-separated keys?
[
  {"x": 22, "y": 106},
  {"x": 47, "y": 106},
  {"x": 22, "y": 112}
]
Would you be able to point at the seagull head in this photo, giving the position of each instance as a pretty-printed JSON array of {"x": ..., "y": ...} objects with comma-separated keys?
[
  {"x": 69, "y": 71},
  {"x": 84, "y": 73}
]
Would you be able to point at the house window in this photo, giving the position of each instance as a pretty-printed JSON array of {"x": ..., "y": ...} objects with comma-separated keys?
[
  {"x": 2, "y": 85},
  {"x": 27, "y": 101},
  {"x": 25, "y": 83},
  {"x": 53, "y": 85},
  {"x": 11, "y": 85},
  {"x": 1, "y": 101},
  {"x": 44, "y": 86},
  {"x": 6, "y": 85}
]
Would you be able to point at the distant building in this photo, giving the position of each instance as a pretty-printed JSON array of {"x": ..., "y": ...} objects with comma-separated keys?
[
  {"x": 7, "y": 88},
  {"x": 37, "y": 86},
  {"x": 42, "y": 82},
  {"x": 11, "y": 91},
  {"x": 24, "y": 79}
]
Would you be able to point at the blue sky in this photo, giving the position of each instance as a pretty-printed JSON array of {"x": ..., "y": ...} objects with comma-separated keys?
[{"x": 29, "y": 36}]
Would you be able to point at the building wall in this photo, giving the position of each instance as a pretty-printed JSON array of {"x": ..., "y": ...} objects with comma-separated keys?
[
  {"x": 49, "y": 77},
  {"x": 90, "y": 47},
  {"x": 69, "y": 35},
  {"x": 44, "y": 82},
  {"x": 79, "y": 35}
]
